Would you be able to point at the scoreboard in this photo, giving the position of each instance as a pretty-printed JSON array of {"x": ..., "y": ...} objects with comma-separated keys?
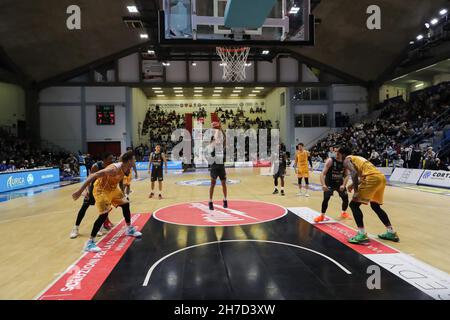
[{"x": 105, "y": 115}]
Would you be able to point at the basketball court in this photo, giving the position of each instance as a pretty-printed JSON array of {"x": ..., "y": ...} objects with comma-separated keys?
[{"x": 212, "y": 54}]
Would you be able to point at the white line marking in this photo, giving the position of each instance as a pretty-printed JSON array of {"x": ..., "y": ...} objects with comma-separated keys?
[{"x": 153, "y": 267}]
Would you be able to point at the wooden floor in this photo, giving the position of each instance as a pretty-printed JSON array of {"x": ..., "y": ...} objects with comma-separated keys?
[{"x": 34, "y": 231}]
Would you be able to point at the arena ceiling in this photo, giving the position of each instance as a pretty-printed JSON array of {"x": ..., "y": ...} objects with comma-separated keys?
[{"x": 34, "y": 36}]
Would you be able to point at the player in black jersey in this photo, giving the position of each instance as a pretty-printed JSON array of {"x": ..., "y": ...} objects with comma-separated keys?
[
  {"x": 218, "y": 168},
  {"x": 281, "y": 172},
  {"x": 89, "y": 200},
  {"x": 333, "y": 179},
  {"x": 155, "y": 169}
]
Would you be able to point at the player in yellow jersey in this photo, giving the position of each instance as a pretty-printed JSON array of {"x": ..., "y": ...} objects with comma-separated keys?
[
  {"x": 368, "y": 184},
  {"x": 302, "y": 158},
  {"x": 107, "y": 194}
]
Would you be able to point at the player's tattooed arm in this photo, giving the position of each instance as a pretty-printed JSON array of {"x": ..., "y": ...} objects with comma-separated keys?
[
  {"x": 324, "y": 173},
  {"x": 353, "y": 173},
  {"x": 91, "y": 178}
]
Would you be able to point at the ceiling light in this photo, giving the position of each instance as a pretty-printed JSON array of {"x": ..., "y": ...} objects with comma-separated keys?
[
  {"x": 419, "y": 85},
  {"x": 256, "y": 91},
  {"x": 166, "y": 64},
  {"x": 411, "y": 42},
  {"x": 252, "y": 95},
  {"x": 158, "y": 91},
  {"x": 237, "y": 91},
  {"x": 240, "y": 88},
  {"x": 223, "y": 64},
  {"x": 434, "y": 21},
  {"x": 144, "y": 36},
  {"x": 427, "y": 25},
  {"x": 177, "y": 91},
  {"x": 132, "y": 9},
  {"x": 177, "y": 88},
  {"x": 198, "y": 88},
  {"x": 294, "y": 10},
  {"x": 218, "y": 88},
  {"x": 265, "y": 52},
  {"x": 419, "y": 37},
  {"x": 216, "y": 95},
  {"x": 179, "y": 95},
  {"x": 198, "y": 91},
  {"x": 193, "y": 64},
  {"x": 443, "y": 12},
  {"x": 248, "y": 64},
  {"x": 152, "y": 52},
  {"x": 156, "y": 88},
  {"x": 160, "y": 95}
]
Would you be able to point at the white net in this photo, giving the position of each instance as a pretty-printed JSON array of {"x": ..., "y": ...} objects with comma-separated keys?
[{"x": 234, "y": 61}]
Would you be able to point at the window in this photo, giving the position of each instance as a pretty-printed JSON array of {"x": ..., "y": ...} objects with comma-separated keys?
[
  {"x": 310, "y": 94},
  {"x": 311, "y": 120}
]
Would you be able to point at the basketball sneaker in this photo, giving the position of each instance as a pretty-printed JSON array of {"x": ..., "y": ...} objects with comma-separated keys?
[
  {"x": 282, "y": 192},
  {"x": 108, "y": 225},
  {"x": 74, "y": 233},
  {"x": 225, "y": 204},
  {"x": 102, "y": 231},
  {"x": 151, "y": 195},
  {"x": 391, "y": 236},
  {"x": 307, "y": 194},
  {"x": 320, "y": 218},
  {"x": 159, "y": 196},
  {"x": 211, "y": 205},
  {"x": 345, "y": 215},
  {"x": 91, "y": 246},
  {"x": 275, "y": 191},
  {"x": 359, "y": 239},
  {"x": 132, "y": 232}
]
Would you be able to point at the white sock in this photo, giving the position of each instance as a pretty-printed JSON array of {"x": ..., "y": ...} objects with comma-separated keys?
[
  {"x": 276, "y": 188},
  {"x": 282, "y": 188},
  {"x": 390, "y": 229},
  {"x": 362, "y": 230}
]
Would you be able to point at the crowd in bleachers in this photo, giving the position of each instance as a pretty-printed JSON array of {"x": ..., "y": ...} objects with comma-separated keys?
[
  {"x": 240, "y": 119},
  {"x": 159, "y": 125},
  {"x": 396, "y": 136},
  {"x": 23, "y": 154}
]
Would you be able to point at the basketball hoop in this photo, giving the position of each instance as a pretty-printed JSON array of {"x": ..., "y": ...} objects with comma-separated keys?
[{"x": 234, "y": 61}]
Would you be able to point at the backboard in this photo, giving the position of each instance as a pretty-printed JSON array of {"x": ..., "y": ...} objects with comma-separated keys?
[{"x": 203, "y": 22}]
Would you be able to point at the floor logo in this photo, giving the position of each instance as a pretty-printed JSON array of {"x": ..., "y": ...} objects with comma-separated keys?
[
  {"x": 203, "y": 182},
  {"x": 239, "y": 212}
]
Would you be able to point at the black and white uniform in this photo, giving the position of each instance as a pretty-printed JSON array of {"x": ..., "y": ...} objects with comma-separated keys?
[
  {"x": 218, "y": 169},
  {"x": 89, "y": 199},
  {"x": 333, "y": 180},
  {"x": 282, "y": 164},
  {"x": 157, "y": 166}
]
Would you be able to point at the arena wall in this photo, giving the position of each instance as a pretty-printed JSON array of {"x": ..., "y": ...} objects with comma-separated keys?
[{"x": 12, "y": 106}]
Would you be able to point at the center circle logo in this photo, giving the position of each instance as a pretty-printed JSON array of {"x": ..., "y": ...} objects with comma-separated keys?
[
  {"x": 30, "y": 179},
  {"x": 203, "y": 182},
  {"x": 239, "y": 212}
]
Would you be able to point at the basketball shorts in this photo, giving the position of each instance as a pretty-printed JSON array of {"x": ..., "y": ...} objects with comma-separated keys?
[
  {"x": 371, "y": 189},
  {"x": 302, "y": 172},
  {"x": 127, "y": 179},
  {"x": 105, "y": 200},
  {"x": 218, "y": 171},
  {"x": 89, "y": 198},
  {"x": 157, "y": 174},
  {"x": 281, "y": 173}
]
